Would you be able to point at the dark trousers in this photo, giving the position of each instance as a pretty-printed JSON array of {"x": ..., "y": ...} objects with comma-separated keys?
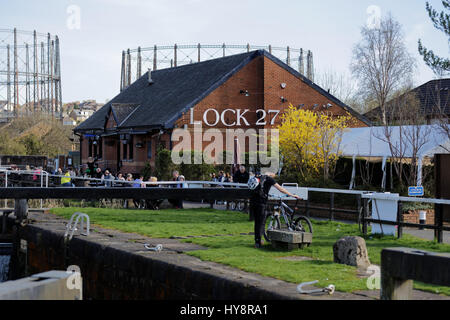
[{"x": 258, "y": 211}]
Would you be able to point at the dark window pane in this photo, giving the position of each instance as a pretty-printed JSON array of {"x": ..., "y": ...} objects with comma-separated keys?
[
  {"x": 149, "y": 149},
  {"x": 125, "y": 153},
  {"x": 131, "y": 148}
]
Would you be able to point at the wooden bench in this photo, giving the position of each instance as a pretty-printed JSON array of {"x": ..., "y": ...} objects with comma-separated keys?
[
  {"x": 400, "y": 266},
  {"x": 289, "y": 240}
]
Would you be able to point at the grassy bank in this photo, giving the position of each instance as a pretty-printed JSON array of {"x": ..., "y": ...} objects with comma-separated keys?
[{"x": 228, "y": 246}]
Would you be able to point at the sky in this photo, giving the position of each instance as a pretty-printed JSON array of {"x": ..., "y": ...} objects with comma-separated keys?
[{"x": 93, "y": 36}]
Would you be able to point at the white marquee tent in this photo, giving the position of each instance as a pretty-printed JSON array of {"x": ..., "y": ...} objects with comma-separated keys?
[{"x": 371, "y": 142}]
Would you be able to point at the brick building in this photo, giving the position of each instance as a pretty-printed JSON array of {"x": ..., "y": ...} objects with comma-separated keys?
[{"x": 249, "y": 90}]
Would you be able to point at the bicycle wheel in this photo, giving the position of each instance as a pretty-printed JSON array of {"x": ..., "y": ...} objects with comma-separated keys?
[
  {"x": 233, "y": 205},
  {"x": 271, "y": 223},
  {"x": 303, "y": 224}
]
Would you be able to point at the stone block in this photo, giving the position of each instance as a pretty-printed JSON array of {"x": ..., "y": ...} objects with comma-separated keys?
[
  {"x": 289, "y": 240},
  {"x": 352, "y": 251},
  {"x": 289, "y": 236}
]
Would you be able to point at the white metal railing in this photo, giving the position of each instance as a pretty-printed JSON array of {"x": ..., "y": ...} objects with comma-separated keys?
[{"x": 292, "y": 187}]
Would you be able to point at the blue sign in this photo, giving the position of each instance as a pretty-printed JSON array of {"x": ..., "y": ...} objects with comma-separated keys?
[{"x": 415, "y": 191}]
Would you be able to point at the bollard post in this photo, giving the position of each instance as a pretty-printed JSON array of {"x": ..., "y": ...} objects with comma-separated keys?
[{"x": 422, "y": 219}]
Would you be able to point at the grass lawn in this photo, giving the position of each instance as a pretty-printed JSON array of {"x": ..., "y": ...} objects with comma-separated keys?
[{"x": 238, "y": 251}]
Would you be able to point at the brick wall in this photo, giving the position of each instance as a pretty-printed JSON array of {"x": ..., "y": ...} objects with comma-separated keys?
[{"x": 262, "y": 78}]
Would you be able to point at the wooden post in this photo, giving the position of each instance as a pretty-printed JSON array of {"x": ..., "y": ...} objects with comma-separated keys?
[
  {"x": 365, "y": 214},
  {"x": 395, "y": 288},
  {"x": 332, "y": 206},
  {"x": 307, "y": 207},
  {"x": 438, "y": 221},
  {"x": 21, "y": 209},
  {"x": 400, "y": 220}
]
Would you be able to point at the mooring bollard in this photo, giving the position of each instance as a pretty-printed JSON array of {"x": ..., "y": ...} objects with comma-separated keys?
[
  {"x": 422, "y": 218},
  {"x": 21, "y": 209}
]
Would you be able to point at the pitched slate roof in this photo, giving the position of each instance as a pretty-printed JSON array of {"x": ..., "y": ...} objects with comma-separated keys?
[
  {"x": 431, "y": 94},
  {"x": 175, "y": 90},
  {"x": 121, "y": 111}
]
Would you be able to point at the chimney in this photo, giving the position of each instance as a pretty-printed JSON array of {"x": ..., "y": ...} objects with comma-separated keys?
[{"x": 150, "y": 80}]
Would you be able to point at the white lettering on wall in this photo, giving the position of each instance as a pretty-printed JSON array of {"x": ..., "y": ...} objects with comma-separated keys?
[
  {"x": 236, "y": 117},
  {"x": 205, "y": 117}
]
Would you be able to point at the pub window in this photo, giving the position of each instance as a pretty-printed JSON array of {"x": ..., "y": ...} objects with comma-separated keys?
[
  {"x": 95, "y": 147},
  {"x": 100, "y": 148},
  {"x": 130, "y": 148},
  {"x": 90, "y": 147},
  {"x": 149, "y": 149},
  {"x": 125, "y": 151}
]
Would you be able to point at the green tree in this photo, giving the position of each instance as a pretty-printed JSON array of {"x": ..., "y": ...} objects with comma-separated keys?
[
  {"x": 9, "y": 146},
  {"x": 33, "y": 145},
  {"x": 163, "y": 164},
  {"x": 441, "y": 21}
]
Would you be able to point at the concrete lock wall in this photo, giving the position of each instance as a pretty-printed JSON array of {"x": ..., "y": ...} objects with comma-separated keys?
[
  {"x": 116, "y": 269},
  {"x": 51, "y": 285}
]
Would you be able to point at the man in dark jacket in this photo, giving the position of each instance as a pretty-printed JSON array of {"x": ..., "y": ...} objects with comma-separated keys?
[
  {"x": 258, "y": 203},
  {"x": 241, "y": 176}
]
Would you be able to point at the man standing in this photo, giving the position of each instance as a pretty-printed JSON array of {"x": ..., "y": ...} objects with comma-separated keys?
[
  {"x": 178, "y": 204},
  {"x": 241, "y": 176},
  {"x": 261, "y": 186}
]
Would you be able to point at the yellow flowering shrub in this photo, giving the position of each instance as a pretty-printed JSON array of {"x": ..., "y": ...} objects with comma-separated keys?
[{"x": 309, "y": 141}]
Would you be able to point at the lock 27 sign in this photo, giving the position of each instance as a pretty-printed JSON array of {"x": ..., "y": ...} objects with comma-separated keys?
[{"x": 235, "y": 117}]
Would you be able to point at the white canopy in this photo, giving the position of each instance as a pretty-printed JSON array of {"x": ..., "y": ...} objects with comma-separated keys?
[{"x": 372, "y": 142}]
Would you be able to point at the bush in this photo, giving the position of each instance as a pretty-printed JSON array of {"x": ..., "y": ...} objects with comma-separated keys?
[{"x": 163, "y": 164}]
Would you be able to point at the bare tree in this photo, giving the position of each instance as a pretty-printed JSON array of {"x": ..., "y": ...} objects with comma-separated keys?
[
  {"x": 339, "y": 85},
  {"x": 381, "y": 62},
  {"x": 437, "y": 97},
  {"x": 406, "y": 135}
]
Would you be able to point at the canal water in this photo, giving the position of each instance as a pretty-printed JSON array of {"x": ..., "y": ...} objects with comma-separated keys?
[{"x": 5, "y": 257}]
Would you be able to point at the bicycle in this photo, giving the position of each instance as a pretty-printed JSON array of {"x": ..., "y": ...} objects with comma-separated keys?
[
  {"x": 237, "y": 205},
  {"x": 292, "y": 221}
]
